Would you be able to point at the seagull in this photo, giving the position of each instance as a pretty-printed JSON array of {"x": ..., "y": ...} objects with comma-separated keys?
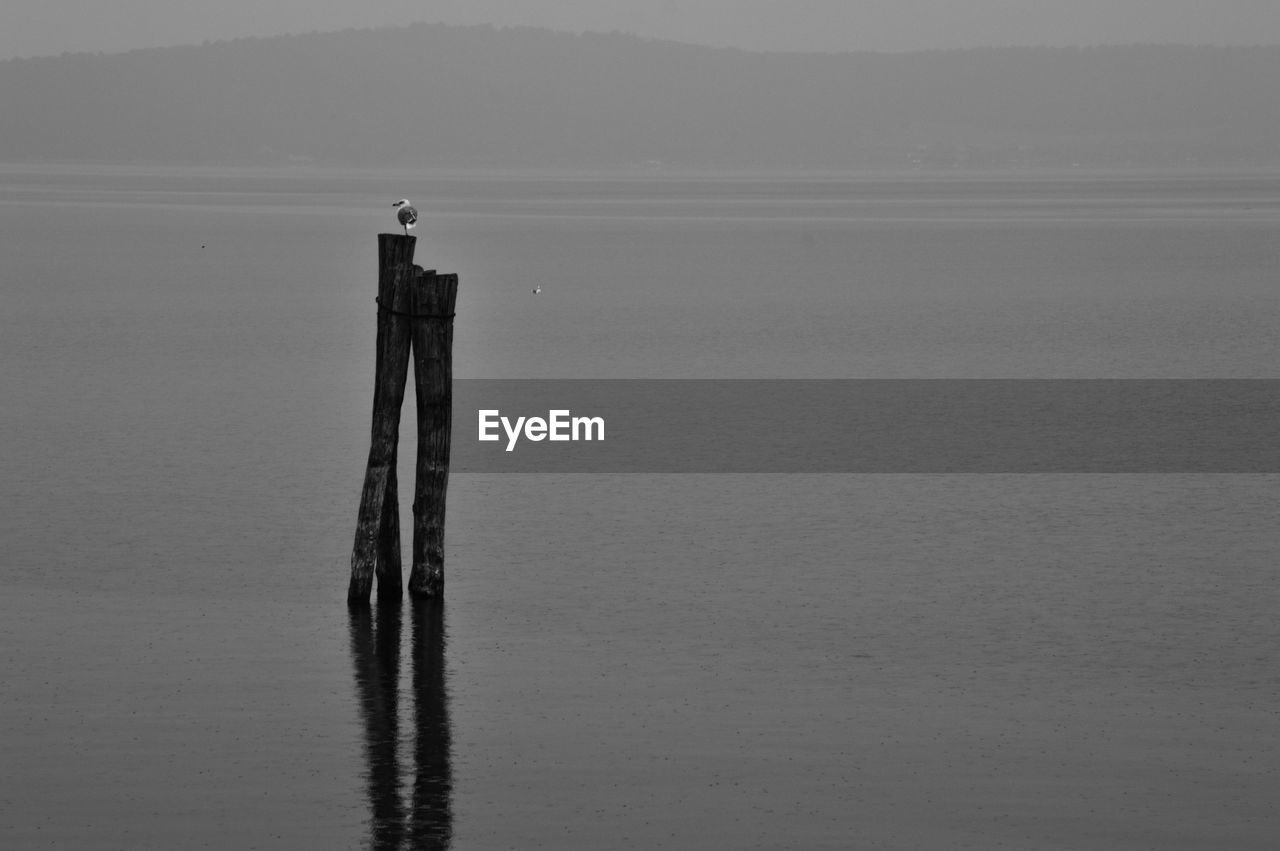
[
  {"x": 407, "y": 215},
  {"x": 537, "y": 289}
]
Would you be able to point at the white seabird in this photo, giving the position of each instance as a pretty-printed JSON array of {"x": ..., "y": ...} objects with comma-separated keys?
[{"x": 406, "y": 215}]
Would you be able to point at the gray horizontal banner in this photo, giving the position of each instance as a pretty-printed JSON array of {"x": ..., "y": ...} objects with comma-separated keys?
[{"x": 866, "y": 426}]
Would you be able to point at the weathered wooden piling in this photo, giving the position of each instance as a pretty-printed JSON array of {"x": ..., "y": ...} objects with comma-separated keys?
[
  {"x": 415, "y": 311},
  {"x": 435, "y": 297}
]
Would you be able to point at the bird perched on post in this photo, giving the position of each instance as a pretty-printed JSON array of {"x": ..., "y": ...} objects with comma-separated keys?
[{"x": 406, "y": 215}]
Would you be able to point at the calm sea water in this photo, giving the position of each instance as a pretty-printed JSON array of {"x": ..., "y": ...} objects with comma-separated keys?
[{"x": 887, "y": 661}]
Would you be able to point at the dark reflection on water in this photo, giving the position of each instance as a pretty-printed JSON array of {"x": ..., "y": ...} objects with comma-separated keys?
[
  {"x": 431, "y": 818},
  {"x": 375, "y": 655}
]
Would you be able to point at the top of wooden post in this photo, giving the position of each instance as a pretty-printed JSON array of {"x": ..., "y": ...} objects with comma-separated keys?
[{"x": 397, "y": 243}]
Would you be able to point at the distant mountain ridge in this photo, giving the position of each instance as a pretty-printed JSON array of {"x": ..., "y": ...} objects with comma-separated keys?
[{"x": 442, "y": 96}]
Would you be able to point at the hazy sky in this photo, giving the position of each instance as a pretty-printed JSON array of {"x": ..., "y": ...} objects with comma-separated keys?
[{"x": 37, "y": 27}]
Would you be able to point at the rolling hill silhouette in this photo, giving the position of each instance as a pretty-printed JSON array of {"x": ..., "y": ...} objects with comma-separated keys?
[{"x": 435, "y": 95}]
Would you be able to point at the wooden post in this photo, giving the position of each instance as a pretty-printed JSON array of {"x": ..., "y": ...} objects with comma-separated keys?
[
  {"x": 435, "y": 297},
  {"x": 377, "y": 543},
  {"x": 415, "y": 310}
]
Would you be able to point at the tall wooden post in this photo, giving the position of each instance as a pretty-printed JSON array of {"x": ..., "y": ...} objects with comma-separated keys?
[
  {"x": 433, "y": 380},
  {"x": 412, "y": 305}
]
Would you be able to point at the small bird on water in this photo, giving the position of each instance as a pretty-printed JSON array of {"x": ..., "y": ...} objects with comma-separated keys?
[
  {"x": 407, "y": 215},
  {"x": 537, "y": 289}
]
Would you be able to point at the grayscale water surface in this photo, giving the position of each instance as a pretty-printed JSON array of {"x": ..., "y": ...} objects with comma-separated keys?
[{"x": 686, "y": 661}]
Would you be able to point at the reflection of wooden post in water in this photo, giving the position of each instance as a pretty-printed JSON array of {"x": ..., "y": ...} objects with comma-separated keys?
[
  {"x": 431, "y": 824},
  {"x": 375, "y": 652},
  {"x": 415, "y": 309},
  {"x": 375, "y": 657}
]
